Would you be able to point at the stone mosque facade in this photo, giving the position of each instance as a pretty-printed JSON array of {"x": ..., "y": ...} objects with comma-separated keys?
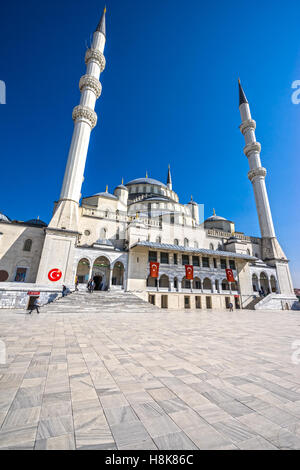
[{"x": 112, "y": 237}]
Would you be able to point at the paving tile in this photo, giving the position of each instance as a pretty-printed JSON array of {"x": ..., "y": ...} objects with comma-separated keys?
[
  {"x": 55, "y": 426},
  {"x": 64, "y": 442},
  {"x": 128, "y": 434},
  {"x": 174, "y": 441}
]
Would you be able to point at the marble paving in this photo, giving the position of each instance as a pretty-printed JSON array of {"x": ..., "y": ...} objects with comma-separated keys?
[{"x": 92, "y": 373}]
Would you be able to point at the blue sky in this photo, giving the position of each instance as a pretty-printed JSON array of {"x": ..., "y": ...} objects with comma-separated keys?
[{"x": 169, "y": 96}]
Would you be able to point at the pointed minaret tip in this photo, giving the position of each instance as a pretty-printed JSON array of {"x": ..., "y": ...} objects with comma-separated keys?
[
  {"x": 101, "y": 25},
  {"x": 169, "y": 178},
  {"x": 146, "y": 174},
  {"x": 242, "y": 96},
  {"x": 106, "y": 189},
  {"x": 214, "y": 212},
  {"x": 122, "y": 180}
]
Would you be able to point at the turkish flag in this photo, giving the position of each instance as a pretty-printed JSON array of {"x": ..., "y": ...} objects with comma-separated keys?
[
  {"x": 189, "y": 272},
  {"x": 154, "y": 268},
  {"x": 229, "y": 275}
]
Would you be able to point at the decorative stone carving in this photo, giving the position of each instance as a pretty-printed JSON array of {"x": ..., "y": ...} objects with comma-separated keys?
[
  {"x": 246, "y": 124},
  {"x": 253, "y": 147},
  {"x": 96, "y": 56},
  {"x": 85, "y": 113},
  {"x": 87, "y": 81},
  {"x": 261, "y": 171}
]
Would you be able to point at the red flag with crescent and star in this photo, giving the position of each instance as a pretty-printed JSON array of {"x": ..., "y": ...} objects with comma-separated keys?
[
  {"x": 154, "y": 268},
  {"x": 229, "y": 275},
  {"x": 189, "y": 272}
]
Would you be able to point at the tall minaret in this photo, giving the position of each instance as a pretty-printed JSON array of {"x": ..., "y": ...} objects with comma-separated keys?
[
  {"x": 62, "y": 234},
  {"x": 85, "y": 119},
  {"x": 271, "y": 250},
  {"x": 169, "y": 179}
]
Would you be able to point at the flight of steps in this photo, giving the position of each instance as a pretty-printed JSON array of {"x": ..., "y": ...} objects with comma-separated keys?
[
  {"x": 108, "y": 302},
  {"x": 251, "y": 305}
]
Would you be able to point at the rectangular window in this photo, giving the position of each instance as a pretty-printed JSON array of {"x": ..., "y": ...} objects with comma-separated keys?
[
  {"x": 187, "y": 303},
  {"x": 185, "y": 259},
  {"x": 198, "y": 301},
  {"x": 20, "y": 275},
  {"x": 164, "y": 258},
  {"x": 196, "y": 261},
  {"x": 227, "y": 302},
  {"x": 153, "y": 256},
  {"x": 208, "y": 302},
  {"x": 215, "y": 263},
  {"x": 223, "y": 263},
  {"x": 205, "y": 262},
  {"x": 164, "y": 301},
  {"x": 175, "y": 258},
  {"x": 152, "y": 299},
  {"x": 232, "y": 264}
]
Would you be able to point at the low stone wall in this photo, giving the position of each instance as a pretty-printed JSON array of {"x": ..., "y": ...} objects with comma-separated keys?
[{"x": 13, "y": 295}]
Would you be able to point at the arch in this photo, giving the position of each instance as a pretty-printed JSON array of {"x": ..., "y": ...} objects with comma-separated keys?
[
  {"x": 234, "y": 286},
  {"x": 273, "y": 283},
  {"x": 83, "y": 271},
  {"x": 176, "y": 241},
  {"x": 225, "y": 284},
  {"x": 248, "y": 251},
  {"x": 211, "y": 246},
  {"x": 207, "y": 285},
  {"x": 27, "y": 245},
  {"x": 255, "y": 284},
  {"x": 118, "y": 274},
  {"x": 164, "y": 281},
  {"x": 158, "y": 239},
  {"x": 217, "y": 285},
  {"x": 151, "y": 281},
  {"x": 264, "y": 282},
  {"x": 197, "y": 283},
  {"x": 185, "y": 283},
  {"x": 101, "y": 273},
  {"x": 186, "y": 242}
]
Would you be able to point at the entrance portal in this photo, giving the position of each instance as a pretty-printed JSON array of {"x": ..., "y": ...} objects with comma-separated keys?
[
  {"x": 98, "y": 282},
  {"x": 101, "y": 273}
]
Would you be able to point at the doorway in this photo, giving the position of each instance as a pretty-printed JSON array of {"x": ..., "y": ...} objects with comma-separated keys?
[
  {"x": 98, "y": 282},
  {"x": 164, "y": 301},
  {"x": 237, "y": 302}
]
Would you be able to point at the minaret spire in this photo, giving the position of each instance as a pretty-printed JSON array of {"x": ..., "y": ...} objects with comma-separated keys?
[
  {"x": 102, "y": 25},
  {"x": 169, "y": 178},
  {"x": 242, "y": 96}
]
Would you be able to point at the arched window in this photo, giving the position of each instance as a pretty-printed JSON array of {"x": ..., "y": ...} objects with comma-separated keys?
[
  {"x": 118, "y": 234},
  {"x": 255, "y": 283},
  {"x": 27, "y": 245},
  {"x": 175, "y": 283},
  {"x": 164, "y": 281},
  {"x": 211, "y": 246},
  {"x": 186, "y": 242},
  {"x": 196, "y": 245},
  {"x": 158, "y": 239},
  {"x": 196, "y": 283},
  {"x": 207, "y": 284},
  {"x": 151, "y": 281},
  {"x": 217, "y": 284},
  {"x": 186, "y": 283},
  {"x": 248, "y": 251},
  {"x": 176, "y": 242},
  {"x": 106, "y": 213},
  {"x": 273, "y": 283},
  {"x": 225, "y": 285},
  {"x": 234, "y": 286}
]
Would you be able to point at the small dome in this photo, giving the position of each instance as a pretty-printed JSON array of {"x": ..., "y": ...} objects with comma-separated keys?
[
  {"x": 4, "y": 218},
  {"x": 106, "y": 194},
  {"x": 121, "y": 186},
  {"x": 146, "y": 181},
  {"x": 37, "y": 222},
  {"x": 216, "y": 217}
]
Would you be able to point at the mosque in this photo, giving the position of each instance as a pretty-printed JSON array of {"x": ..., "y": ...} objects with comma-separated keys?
[{"x": 140, "y": 238}]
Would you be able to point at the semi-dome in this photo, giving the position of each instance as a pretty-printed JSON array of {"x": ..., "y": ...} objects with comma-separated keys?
[
  {"x": 37, "y": 222},
  {"x": 4, "y": 218},
  {"x": 146, "y": 181}
]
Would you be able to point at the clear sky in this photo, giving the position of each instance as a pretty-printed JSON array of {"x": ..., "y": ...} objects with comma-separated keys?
[{"x": 169, "y": 95}]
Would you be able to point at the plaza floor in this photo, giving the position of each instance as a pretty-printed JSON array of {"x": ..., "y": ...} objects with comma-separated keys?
[{"x": 89, "y": 378}]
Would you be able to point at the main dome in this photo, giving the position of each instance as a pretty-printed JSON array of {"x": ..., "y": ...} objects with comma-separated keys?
[{"x": 146, "y": 181}]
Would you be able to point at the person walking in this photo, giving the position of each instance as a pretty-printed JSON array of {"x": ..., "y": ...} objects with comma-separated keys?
[
  {"x": 35, "y": 306},
  {"x": 230, "y": 307},
  {"x": 64, "y": 291},
  {"x": 76, "y": 284},
  {"x": 92, "y": 287}
]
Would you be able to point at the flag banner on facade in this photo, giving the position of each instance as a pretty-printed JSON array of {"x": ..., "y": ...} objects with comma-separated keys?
[
  {"x": 154, "y": 268},
  {"x": 189, "y": 272},
  {"x": 229, "y": 275}
]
